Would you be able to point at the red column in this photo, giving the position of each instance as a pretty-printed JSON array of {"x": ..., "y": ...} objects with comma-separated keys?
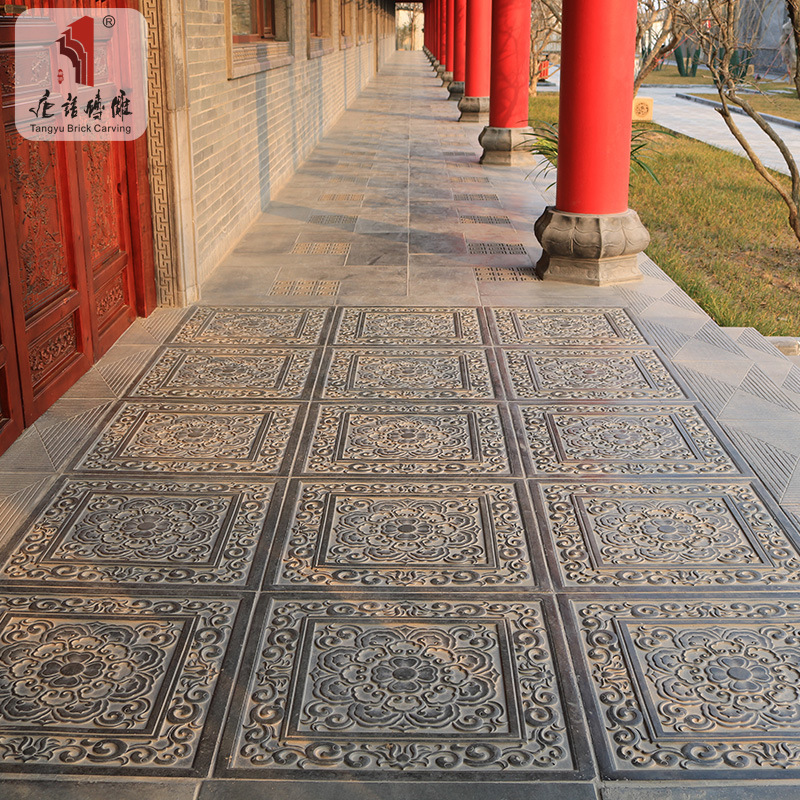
[
  {"x": 459, "y": 39},
  {"x": 443, "y": 32},
  {"x": 597, "y": 53},
  {"x": 450, "y": 27},
  {"x": 479, "y": 48},
  {"x": 511, "y": 53}
]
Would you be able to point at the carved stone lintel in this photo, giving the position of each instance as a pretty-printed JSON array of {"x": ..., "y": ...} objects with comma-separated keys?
[
  {"x": 447, "y": 78},
  {"x": 593, "y": 249},
  {"x": 456, "y": 90},
  {"x": 506, "y": 146},
  {"x": 473, "y": 109}
]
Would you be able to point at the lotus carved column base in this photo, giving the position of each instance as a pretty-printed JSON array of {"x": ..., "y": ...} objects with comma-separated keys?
[
  {"x": 506, "y": 146},
  {"x": 473, "y": 109},
  {"x": 456, "y": 90},
  {"x": 592, "y": 249}
]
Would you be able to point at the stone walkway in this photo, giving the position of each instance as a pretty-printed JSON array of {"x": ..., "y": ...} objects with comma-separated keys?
[{"x": 384, "y": 517}]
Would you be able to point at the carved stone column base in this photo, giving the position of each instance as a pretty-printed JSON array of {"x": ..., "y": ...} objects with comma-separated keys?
[
  {"x": 591, "y": 249},
  {"x": 456, "y": 90},
  {"x": 473, "y": 109},
  {"x": 440, "y": 68},
  {"x": 447, "y": 78},
  {"x": 506, "y": 146}
]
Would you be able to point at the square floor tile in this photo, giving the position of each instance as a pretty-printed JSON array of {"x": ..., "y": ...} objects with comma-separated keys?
[
  {"x": 405, "y": 374},
  {"x": 251, "y": 326},
  {"x": 405, "y": 439},
  {"x": 572, "y": 327},
  {"x": 692, "y": 687},
  {"x": 228, "y": 374},
  {"x": 622, "y": 440},
  {"x": 666, "y": 534},
  {"x": 408, "y": 326},
  {"x": 572, "y": 374},
  {"x": 427, "y": 687},
  {"x": 194, "y": 438},
  {"x": 365, "y": 535},
  {"x": 149, "y": 532},
  {"x": 110, "y": 684}
]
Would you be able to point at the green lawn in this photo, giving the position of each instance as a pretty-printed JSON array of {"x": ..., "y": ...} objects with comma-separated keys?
[
  {"x": 669, "y": 75},
  {"x": 717, "y": 229}
]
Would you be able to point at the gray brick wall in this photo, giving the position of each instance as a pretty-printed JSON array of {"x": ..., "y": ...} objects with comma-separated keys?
[{"x": 249, "y": 134}]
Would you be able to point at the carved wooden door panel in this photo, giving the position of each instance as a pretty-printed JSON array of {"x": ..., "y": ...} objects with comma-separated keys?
[
  {"x": 107, "y": 237},
  {"x": 46, "y": 267},
  {"x": 11, "y": 420}
]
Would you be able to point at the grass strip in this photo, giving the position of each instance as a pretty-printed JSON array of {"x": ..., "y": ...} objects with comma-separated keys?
[{"x": 716, "y": 229}]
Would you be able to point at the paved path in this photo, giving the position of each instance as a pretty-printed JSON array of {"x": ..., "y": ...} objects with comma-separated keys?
[{"x": 383, "y": 517}]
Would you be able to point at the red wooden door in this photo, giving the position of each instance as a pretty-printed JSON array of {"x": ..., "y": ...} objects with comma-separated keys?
[{"x": 73, "y": 275}]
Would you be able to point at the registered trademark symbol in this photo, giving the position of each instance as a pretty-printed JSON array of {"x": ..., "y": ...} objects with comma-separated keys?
[{"x": 109, "y": 21}]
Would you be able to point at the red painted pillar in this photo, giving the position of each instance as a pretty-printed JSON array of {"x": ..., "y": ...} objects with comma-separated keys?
[
  {"x": 511, "y": 53},
  {"x": 506, "y": 133},
  {"x": 450, "y": 28},
  {"x": 478, "y": 68},
  {"x": 597, "y": 53},
  {"x": 460, "y": 40},
  {"x": 591, "y": 236}
]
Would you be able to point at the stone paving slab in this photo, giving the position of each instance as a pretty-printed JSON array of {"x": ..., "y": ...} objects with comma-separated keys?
[{"x": 430, "y": 532}]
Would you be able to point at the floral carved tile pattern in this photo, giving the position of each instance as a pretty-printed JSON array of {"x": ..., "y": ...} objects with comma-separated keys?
[
  {"x": 403, "y": 687},
  {"x": 409, "y": 326},
  {"x": 108, "y": 682},
  {"x": 408, "y": 439},
  {"x": 144, "y": 532},
  {"x": 408, "y": 374},
  {"x": 193, "y": 438},
  {"x": 613, "y": 440},
  {"x": 587, "y": 375},
  {"x": 410, "y": 535},
  {"x": 258, "y": 326},
  {"x": 677, "y": 534},
  {"x": 691, "y": 686},
  {"x": 572, "y": 327},
  {"x": 240, "y": 374}
]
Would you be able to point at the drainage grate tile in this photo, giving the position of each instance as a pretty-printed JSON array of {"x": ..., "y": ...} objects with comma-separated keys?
[
  {"x": 356, "y": 179},
  {"x": 305, "y": 288},
  {"x": 321, "y": 249},
  {"x": 495, "y": 249},
  {"x": 333, "y": 219},
  {"x": 504, "y": 274},
  {"x": 470, "y": 179},
  {"x": 342, "y": 198},
  {"x": 479, "y": 220},
  {"x": 470, "y": 197}
]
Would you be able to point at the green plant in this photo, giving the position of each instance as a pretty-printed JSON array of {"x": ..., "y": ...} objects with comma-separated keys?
[{"x": 544, "y": 143}]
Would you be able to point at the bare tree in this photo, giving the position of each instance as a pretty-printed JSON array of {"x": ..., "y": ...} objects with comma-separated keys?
[
  {"x": 545, "y": 29},
  {"x": 659, "y": 30},
  {"x": 724, "y": 29}
]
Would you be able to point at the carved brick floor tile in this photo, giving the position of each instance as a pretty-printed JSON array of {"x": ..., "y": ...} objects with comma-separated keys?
[
  {"x": 353, "y": 686},
  {"x": 663, "y": 535},
  {"x": 111, "y": 684},
  {"x": 411, "y": 535},
  {"x": 692, "y": 688},
  {"x": 575, "y": 374},
  {"x": 622, "y": 440},
  {"x": 570, "y": 327},
  {"x": 252, "y": 326},
  {"x": 408, "y": 326},
  {"x": 146, "y": 532},
  {"x": 408, "y": 374},
  {"x": 191, "y": 438},
  {"x": 183, "y": 373},
  {"x": 406, "y": 439}
]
